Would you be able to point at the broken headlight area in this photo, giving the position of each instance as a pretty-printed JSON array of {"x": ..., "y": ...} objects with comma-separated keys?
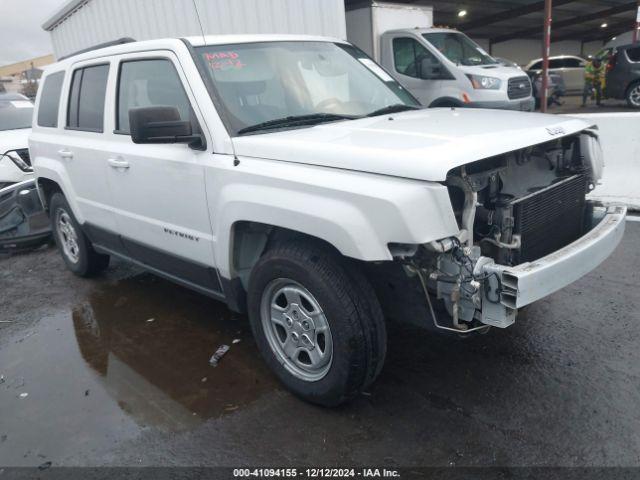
[{"x": 20, "y": 158}]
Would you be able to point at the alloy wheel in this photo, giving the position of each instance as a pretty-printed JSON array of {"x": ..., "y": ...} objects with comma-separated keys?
[
  {"x": 634, "y": 96},
  {"x": 297, "y": 329},
  {"x": 68, "y": 237}
]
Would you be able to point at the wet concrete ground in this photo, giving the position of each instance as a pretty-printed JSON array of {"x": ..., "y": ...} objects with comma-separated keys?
[
  {"x": 116, "y": 373},
  {"x": 573, "y": 104}
]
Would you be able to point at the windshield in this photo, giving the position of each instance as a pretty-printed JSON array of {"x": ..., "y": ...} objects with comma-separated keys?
[
  {"x": 15, "y": 114},
  {"x": 459, "y": 48},
  {"x": 259, "y": 83}
]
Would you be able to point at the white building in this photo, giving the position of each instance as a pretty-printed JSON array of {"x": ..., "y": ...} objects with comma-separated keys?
[{"x": 80, "y": 24}]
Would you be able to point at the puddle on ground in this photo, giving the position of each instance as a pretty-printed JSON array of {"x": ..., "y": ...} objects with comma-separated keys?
[{"x": 134, "y": 355}]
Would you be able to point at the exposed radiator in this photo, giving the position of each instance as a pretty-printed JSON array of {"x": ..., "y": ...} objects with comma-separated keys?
[{"x": 551, "y": 218}]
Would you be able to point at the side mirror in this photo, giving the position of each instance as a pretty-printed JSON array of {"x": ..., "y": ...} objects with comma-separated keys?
[
  {"x": 430, "y": 70},
  {"x": 161, "y": 125}
]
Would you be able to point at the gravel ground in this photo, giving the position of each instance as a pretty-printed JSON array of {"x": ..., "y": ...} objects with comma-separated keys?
[{"x": 114, "y": 371}]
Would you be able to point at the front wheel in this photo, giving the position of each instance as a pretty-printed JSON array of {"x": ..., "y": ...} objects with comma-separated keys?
[
  {"x": 75, "y": 247},
  {"x": 317, "y": 322},
  {"x": 633, "y": 95}
]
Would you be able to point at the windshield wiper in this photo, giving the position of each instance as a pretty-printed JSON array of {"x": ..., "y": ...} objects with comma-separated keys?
[
  {"x": 296, "y": 121},
  {"x": 395, "y": 108}
]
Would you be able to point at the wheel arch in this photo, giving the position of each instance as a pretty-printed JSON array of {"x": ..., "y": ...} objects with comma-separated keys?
[
  {"x": 246, "y": 211},
  {"x": 357, "y": 215},
  {"x": 46, "y": 189},
  {"x": 249, "y": 240},
  {"x": 52, "y": 178},
  {"x": 633, "y": 84}
]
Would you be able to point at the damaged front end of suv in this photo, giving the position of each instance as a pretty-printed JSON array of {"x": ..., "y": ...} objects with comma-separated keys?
[{"x": 526, "y": 230}]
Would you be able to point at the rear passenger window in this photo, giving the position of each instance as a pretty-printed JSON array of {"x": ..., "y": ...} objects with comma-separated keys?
[
  {"x": 50, "y": 100},
  {"x": 87, "y": 97},
  {"x": 556, "y": 63},
  {"x": 634, "y": 54},
  {"x": 572, "y": 63},
  {"x": 149, "y": 83}
]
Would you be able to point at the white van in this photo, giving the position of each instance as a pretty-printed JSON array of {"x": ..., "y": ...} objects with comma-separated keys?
[
  {"x": 439, "y": 66},
  {"x": 445, "y": 68}
]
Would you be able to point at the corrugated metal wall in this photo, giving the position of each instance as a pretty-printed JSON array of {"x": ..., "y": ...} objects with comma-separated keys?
[{"x": 101, "y": 21}]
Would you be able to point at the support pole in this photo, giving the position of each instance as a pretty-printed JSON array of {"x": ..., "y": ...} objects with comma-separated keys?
[
  {"x": 637, "y": 26},
  {"x": 546, "y": 50}
]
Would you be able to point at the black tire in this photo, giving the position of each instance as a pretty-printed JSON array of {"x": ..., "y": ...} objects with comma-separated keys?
[
  {"x": 351, "y": 309},
  {"x": 631, "y": 95},
  {"x": 87, "y": 262}
]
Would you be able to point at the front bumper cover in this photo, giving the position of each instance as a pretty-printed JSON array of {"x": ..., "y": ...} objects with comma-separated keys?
[{"x": 528, "y": 282}]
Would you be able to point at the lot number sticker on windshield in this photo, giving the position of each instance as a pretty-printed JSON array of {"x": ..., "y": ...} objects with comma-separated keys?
[
  {"x": 371, "y": 65},
  {"x": 224, "y": 60},
  {"x": 22, "y": 104}
]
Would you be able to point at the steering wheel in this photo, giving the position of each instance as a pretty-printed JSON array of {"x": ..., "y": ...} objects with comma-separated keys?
[{"x": 328, "y": 103}]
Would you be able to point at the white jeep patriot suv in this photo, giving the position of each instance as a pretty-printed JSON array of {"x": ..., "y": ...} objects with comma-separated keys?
[{"x": 292, "y": 178}]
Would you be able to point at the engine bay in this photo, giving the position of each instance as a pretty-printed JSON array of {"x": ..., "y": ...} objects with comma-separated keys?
[
  {"x": 523, "y": 196},
  {"x": 511, "y": 209}
]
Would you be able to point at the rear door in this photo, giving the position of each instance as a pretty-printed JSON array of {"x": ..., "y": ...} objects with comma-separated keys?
[
  {"x": 159, "y": 190},
  {"x": 617, "y": 75},
  {"x": 573, "y": 74},
  {"x": 83, "y": 145}
]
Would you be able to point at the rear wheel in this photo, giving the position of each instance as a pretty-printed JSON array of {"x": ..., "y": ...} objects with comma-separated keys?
[
  {"x": 317, "y": 322},
  {"x": 74, "y": 245},
  {"x": 633, "y": 95}
]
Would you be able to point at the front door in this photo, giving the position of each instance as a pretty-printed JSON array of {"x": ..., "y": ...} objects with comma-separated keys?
[
  {"x": 410, "y": 58},
  {"x": 159, "y": 189}
]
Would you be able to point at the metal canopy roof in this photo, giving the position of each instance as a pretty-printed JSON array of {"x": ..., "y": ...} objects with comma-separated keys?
[{"x": 502, "y": 20}]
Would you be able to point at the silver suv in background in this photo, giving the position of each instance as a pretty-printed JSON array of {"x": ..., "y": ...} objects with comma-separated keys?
[{"x": 569, "y": 67}]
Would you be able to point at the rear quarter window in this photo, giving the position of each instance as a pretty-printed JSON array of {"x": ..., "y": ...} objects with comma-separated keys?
[
  {"x": 634, "y": 54},
  {"x": 50, "y": 100}
]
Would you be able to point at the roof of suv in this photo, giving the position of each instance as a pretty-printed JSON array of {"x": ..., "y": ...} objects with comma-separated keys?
[
  {"x": 554, "y": 57},
  {"x": 229, "y": 39},
  {"x": 173, "y": 43},
  {"x": 627, "y": 46}
]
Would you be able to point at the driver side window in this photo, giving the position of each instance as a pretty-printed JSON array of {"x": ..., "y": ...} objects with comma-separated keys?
[{"x": 412, "y": 59}]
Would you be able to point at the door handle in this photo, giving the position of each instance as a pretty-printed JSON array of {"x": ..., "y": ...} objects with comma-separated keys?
[
  {"x": 115, "y": 163},
  {"x": 66, "y": 154}
]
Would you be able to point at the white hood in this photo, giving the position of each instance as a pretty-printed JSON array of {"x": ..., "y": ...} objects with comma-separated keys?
[
  {"x": 14, "y": 139},
  {"x": 422, "y": 145},
  {"x": 502, "y": 72}
]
